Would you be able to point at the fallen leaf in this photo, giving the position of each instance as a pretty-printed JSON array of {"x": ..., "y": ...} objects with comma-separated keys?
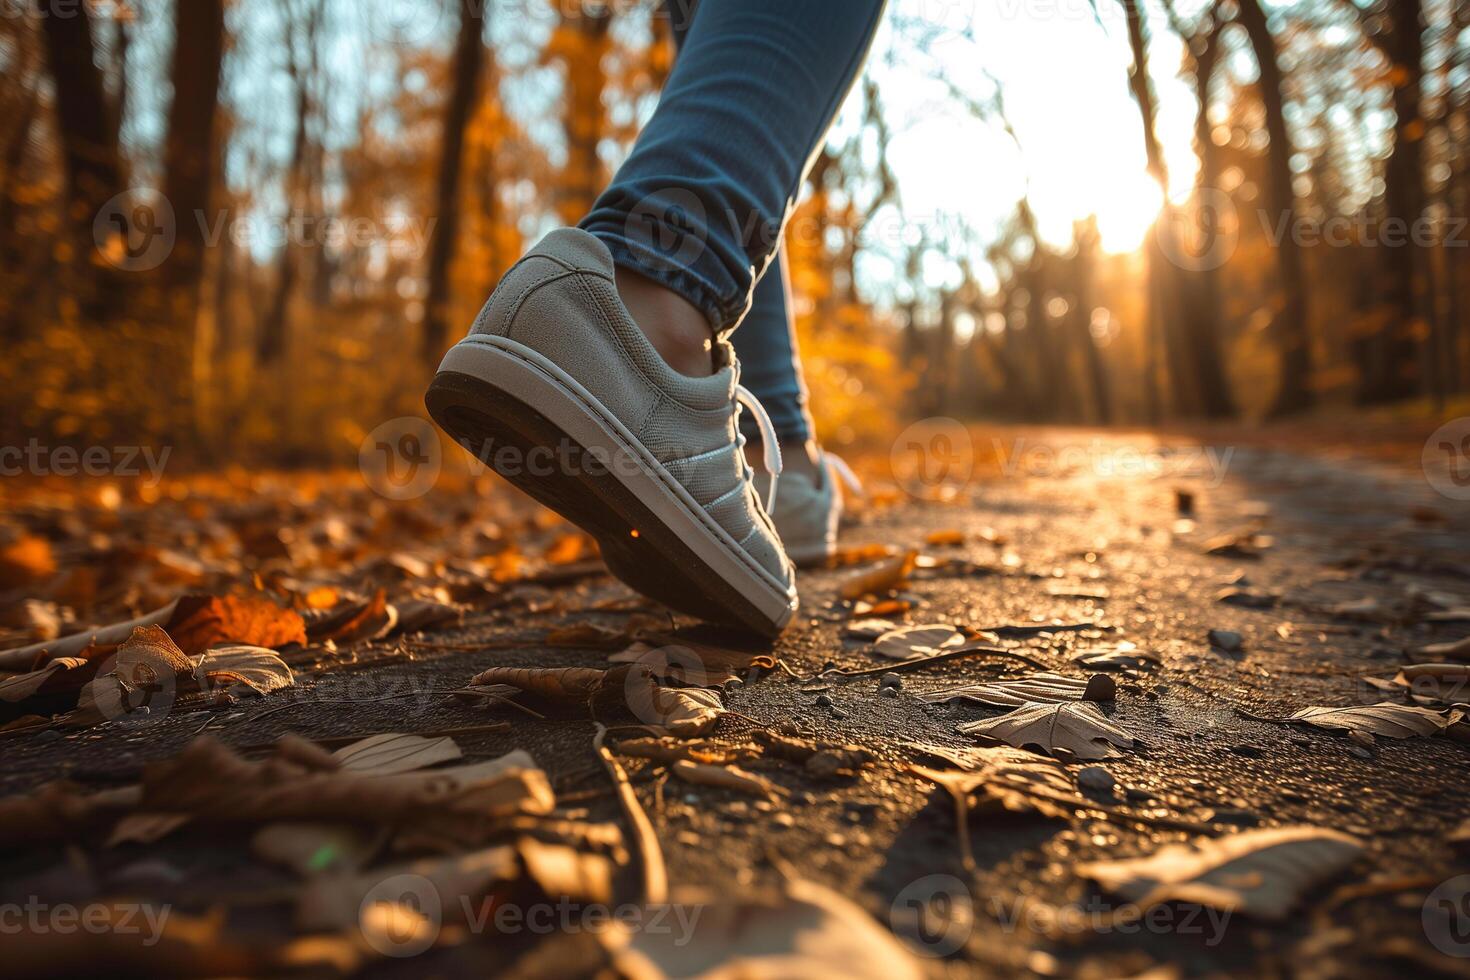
[
  {"x": 199, "y": 622},
  {"x": 802, "y": 930},
  {"x": 885, "y": 577},
  {"x": 234, "y": 669},
  {"x": 910, "y": 642},
  {"x": 693, "y": 663},
  {"x": 26, "y": 561},
  {"x": 682, "y": 712},
  {"x": 1238, "y": 543},
  {"x": 1455, "y": 650},
  {"x": 869, "y": 629},
  {"x": 945, "y": 539},
  {"x": 1385, "y": 718},
  {"x": 1035, "y": 689},
  {"x": 316, "y": 848},
  {"x": 210, "y": 783},
  {"x": 1260, "y": 873},
  {"x": 820, "y": 759},
  {"x": 1075, "y": 727},
  {"x": 1002, "y": 778},
  {"x": 725, "y": 777},
  {"x": 1125, "y": 656},
  {"x": 388, "y": 753},
  {"x": 355, "y": 621}
]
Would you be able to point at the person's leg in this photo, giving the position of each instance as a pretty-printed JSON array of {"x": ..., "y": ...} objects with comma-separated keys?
[
  {"x": 597, "y": 377},
  {"x": 699, "y": 205}
]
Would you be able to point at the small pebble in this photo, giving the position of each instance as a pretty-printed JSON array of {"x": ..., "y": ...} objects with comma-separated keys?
[
  {"x": 839, "y": 714},
  {"x": 734, "y": 683},
  {"x": 823, "y": 701},
  {"x": 784, "y": 820},
  {"x": 890, "y": 679},
  {"x": 1249, "y": 751},
  {"x": 1096, "y": 778},
  {"x": 887, "y": 692}
]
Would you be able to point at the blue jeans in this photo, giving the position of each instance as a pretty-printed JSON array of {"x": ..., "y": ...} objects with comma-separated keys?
[{"x": 700, "y": 204}]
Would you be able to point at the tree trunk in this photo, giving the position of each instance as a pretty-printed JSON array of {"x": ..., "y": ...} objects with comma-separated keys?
[
  {"x": 189, "y": 156},
  {"x": 89, "y": 142},
  {"x": 1388, "y": 360},
  {"x": 469, "y": 57},
  {"x": 1161, "y": 289},
  {"x": 1293, "y": 392},
  {"x": 1203, "y": 284}
]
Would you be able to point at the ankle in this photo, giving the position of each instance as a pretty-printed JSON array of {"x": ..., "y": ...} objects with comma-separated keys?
[{"x": 673, "y": 325}]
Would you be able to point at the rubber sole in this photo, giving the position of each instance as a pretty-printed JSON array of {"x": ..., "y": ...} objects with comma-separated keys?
[{"x": 535, "y": 426}]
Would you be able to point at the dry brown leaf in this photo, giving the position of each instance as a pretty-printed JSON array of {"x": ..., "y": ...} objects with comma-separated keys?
[
  {"x": 420, "y": 614},
  {"x": 1455, "y": 650},
  {"x": 869, "y": 629},
  {"x": 557, "y": 683},
  {"x": 1000, "y": 779},
  {"x": 911, "y": 642},
  {"x": 1260, "y": 873},
  {"x": 1043, "y": 688},
  {"x": 682, "y": 712},
  {"x": 317, "y": 848},
  {"x": 692, "y": 663},
  {"x": 945, "y": 539},
  {"x": 387, "y": 754},
  {"x": 60, "y": 811},
  {"x": 804, "y": 930},
  {"x": 241, "y": 669},
  {"x": 1075, "y": 727},
  {"x": 886, "y": 577},
  {"x": 198, "y": 622},
  {"x": 1124, "y": 656},
  {"x": 210, "y": 783},
  {"x": 26, "y": 561},
  {"x": 1385, "y": 718},
  {"x": 355, "y": 621},
  {"x": 820, "y": 759},
  {"x": 725, "y": 777}
]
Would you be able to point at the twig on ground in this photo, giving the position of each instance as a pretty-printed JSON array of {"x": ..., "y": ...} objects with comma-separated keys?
[{"x": 655, "y": 875}]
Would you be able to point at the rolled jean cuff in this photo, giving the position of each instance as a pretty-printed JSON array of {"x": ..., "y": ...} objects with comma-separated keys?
[{"x": 703, "y": 284}]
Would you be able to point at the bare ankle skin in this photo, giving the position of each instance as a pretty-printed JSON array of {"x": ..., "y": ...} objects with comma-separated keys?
[{"x": 675, "y": 328}]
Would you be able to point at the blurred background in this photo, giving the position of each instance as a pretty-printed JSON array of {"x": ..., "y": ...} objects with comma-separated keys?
[{"x": 247, "y": 229}]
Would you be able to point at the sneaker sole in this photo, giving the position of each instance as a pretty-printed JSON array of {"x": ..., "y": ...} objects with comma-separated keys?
[{"x": 491, "y": 393}]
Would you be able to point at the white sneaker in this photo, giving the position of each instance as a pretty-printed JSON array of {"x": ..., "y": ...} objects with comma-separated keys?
[{"x": 806, "y": 513}]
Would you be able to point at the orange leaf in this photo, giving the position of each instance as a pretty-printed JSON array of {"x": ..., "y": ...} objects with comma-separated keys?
[
  {"x": 201, "y": 621},
  {"x": 885, "y": 578},
  {"x": 26, "y": 561}
]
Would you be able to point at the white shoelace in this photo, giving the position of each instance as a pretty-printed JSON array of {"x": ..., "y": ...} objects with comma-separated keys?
[
  {"x": 836, "y": 464},
  {"x": 770, "y": 448}
]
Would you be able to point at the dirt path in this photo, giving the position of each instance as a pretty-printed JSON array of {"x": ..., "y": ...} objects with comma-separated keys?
[{"x": 1056, "y": 527}]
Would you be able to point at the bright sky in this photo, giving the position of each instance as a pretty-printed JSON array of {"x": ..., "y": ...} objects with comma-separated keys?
[{"x": 1064, "y": 78}]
